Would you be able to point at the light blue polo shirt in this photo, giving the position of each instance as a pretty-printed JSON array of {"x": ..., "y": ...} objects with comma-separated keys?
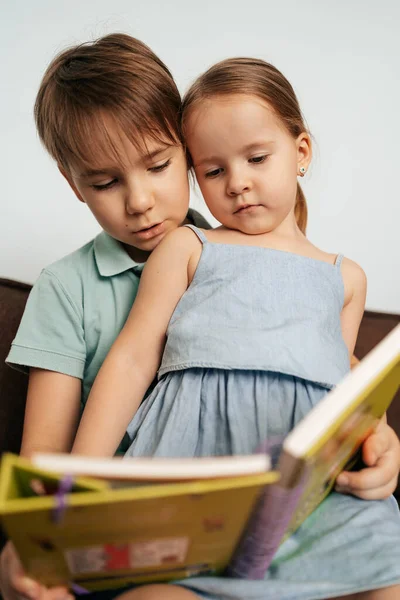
[{"x": 76, "y": 309}]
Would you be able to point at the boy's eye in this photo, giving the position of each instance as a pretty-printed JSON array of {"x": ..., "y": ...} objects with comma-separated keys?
[
  {"x": 104, "y": 186},
  {"x": 159, "y": 168},
  {"x": 258, "y": 159},
  {"x": 213, "y": 173}
]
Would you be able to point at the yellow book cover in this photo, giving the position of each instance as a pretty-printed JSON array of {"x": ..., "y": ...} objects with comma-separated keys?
[{"x": 99, "y": 537}]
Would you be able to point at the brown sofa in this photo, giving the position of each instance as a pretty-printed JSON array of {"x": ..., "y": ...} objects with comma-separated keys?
[{"x": 13, "y": 384}]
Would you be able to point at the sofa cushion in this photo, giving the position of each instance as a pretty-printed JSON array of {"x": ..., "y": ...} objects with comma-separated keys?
[{"x": 13, "y": 384}]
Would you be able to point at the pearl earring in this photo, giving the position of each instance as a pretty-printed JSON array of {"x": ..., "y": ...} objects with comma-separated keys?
[{"x": 302, "y": 171}]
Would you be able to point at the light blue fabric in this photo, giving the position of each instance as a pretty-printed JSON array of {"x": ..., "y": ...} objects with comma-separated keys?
[
  {"x": 252, "y": 306},
  {"x": 278, "y": 314}
]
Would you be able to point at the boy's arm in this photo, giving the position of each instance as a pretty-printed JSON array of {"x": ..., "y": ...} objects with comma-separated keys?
[
  {"x": 51, "y": 417},
  {"x": 135, "y": 356},
  {"x": 381, "y": 455},
  {"x": 52, "y": 412},
  {"x": 16, "y": 585}
]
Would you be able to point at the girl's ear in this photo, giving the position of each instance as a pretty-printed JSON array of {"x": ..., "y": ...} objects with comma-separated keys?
[
  {"x": 71, "y": 183},
  {"x": 304, "y": 150}
]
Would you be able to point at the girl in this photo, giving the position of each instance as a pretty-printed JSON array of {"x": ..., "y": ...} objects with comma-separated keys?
[{"x": 254, "y": 325}]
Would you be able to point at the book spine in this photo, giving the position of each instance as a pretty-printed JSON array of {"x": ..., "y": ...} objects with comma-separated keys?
[{"x": 264, "y": 531}]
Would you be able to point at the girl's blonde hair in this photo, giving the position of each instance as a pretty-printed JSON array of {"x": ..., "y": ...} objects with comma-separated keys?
[
  {"x": 257, "y": 78},
  {"x": 116, "y": 79}
]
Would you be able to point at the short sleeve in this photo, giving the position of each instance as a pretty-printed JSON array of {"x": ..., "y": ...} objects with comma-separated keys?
[{"x": 51, "y": 333}]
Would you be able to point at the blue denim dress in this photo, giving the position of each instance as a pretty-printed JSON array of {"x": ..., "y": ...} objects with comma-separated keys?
[{"x": 252, "y": 346}]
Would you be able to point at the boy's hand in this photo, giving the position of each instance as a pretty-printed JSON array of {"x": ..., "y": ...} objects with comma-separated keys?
[
  {"x": 381, "y": 454},
  {"x": 15, "y": 585}
]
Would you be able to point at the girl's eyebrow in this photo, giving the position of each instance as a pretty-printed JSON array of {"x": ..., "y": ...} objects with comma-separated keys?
[{"x": 247, "y": 148}]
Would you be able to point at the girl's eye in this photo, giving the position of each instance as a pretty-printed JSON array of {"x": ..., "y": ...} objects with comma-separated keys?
[
  {"x": 160, "y": 168},
  {"x": 258, "y": 159},
  {"x": 213, "y": 173},
  {"x": 104, "y": 186}
]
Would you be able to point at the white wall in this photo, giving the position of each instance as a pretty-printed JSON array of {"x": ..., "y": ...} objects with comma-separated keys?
[{"x": 342, "y": 58}]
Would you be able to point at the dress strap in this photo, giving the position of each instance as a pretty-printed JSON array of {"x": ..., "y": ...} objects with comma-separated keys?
[
  {"x": 198, "y": 232},
  {"x": 338, "y": 260}
]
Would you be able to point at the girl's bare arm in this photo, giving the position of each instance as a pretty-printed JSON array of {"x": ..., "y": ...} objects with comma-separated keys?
[
  {"x": 134, "y": 358},
  {"x": 355, "y": 290}
]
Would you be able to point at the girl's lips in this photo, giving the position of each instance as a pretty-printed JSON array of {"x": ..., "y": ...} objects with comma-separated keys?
[
  {"x": 151, "y": 232},
  {"x": 247, "y": 208}
]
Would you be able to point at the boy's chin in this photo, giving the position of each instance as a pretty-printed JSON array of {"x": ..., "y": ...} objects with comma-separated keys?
[{"x": 140, "y": 251}]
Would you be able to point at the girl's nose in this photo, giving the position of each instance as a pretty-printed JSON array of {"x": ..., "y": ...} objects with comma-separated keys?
[{"x": 238, "y": 184}]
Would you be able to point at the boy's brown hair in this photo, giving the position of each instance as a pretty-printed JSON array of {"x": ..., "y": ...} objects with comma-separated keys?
[
  {"x": 257, "y": 78},
  {"x": 114, "y": 80}
]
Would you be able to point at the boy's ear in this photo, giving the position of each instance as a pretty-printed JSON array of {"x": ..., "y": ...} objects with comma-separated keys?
[
  {"x": 71, "y": 183},
  {"x": 304, "y": 149}
]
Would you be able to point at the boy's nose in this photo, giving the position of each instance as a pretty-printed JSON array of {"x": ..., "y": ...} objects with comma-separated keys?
[{"x": 138, "y": 201}]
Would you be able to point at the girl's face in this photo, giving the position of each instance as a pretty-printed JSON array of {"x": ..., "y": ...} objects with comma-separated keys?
[
  {"x": 137, "y": 197},
  {"x": 246, "y": 163}
]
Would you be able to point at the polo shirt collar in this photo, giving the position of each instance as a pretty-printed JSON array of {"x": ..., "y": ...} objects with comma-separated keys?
[{"x": 111, "y": 257}]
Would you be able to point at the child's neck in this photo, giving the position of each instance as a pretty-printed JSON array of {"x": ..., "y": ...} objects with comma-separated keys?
[
  {"x": 139, "y": 256},
  {"x": 288, "y": 235}
]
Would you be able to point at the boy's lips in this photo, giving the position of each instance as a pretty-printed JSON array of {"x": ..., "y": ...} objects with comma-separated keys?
[{"x": 150, "y": 232}]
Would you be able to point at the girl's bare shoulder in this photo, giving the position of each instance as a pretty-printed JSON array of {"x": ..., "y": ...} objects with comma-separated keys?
[
  {"x": 355, "y": 280},
  {"x": 354, "y": 277},
  {"x": 182, "y": 240}
]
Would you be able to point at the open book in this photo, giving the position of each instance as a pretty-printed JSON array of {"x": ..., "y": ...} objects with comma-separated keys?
[
  {"x": 322, "y": 445},
  {"x": 82, "y": 530},
  {"x": 181, "y": 517}
]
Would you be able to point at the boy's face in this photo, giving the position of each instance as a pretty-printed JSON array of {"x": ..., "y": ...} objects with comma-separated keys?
[{"x": 138, "y": 197}]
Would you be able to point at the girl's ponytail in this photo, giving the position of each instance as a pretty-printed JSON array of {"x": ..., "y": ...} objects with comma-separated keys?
[{"x": 300, "y": 209}]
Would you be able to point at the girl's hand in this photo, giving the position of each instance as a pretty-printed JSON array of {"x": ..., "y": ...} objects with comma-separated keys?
[
  {"x": 15, "y": 585},
  {"x": 381, "y": 454}
]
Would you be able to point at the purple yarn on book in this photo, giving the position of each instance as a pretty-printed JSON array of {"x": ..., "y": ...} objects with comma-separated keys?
[
  {"x": 64, "y": 488},
  {"x": 78, "y": 590}
]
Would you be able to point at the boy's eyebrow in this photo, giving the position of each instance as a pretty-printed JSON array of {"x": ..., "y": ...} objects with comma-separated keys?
[
  {"x": 247, "y": 148},
  {"x": 156, "y": 152},
  {"x": 147, "y": 156},
  {"x": 92, "y": 172}
]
